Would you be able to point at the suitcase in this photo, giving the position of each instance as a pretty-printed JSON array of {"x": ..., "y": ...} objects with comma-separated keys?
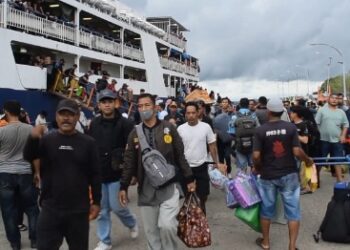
[{"x": 335, "y": 226}]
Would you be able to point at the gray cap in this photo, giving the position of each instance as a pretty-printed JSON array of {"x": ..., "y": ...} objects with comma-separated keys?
[
  {"x": 275, "y": 105},
  {"x": 106, "y": 94},
  {"x": 68, "y": 104}
]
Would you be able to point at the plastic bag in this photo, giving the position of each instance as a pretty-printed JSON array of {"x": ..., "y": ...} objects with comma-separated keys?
[
  {"x": 217, "y": 178},
  {"x": 244, "y": 190},
  {"x": 230, "y": 199},
  {"x": 250, "y": 216}
]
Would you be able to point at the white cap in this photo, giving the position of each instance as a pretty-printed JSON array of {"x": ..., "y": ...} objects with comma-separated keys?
[{"x": 275, "y": 105}]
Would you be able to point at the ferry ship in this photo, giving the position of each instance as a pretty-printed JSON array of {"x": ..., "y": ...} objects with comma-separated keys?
[{"x": 96, "y": 35}]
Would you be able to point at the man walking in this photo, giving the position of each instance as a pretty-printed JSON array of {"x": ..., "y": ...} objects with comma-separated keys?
[
  {"x": 224, "y": 139},
  {"x": 245, "y": 122},
  {"x": 276, "y": 145},
  {"x": 196, "y": 136},
  {"x": 333, "y": 125},
  {"x": 17, "y": 190},
  {"x": 159, "y": 206},
  {"x": 111, "y": 130},
  {"x": 68, "y": 167}
]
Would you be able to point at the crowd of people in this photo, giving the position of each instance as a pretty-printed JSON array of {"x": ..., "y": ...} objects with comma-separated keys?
[{"x": 101, "y": 158}]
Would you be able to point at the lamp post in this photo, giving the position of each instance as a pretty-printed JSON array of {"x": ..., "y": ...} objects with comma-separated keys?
[
  {"x": 342, "y": 62},
  {"x": 307, "y": 75},
  {"x": 329, "y": 68}
]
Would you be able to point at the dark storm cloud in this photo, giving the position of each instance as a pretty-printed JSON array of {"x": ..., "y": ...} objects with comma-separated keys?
[{"x": 259, "y": 39}]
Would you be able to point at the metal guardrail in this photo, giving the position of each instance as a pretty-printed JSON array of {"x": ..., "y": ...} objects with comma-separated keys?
[
  {"x": 2, "y": 21},
  {"x": 42, "y": 26},
  {"x": 132, "y": 53},
  {"x": 176, "y": 41},
  {"x": 178, "y": 67},
  {"x": 32, "y": 23}
]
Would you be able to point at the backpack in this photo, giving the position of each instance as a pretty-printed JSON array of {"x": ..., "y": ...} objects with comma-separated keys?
[
  {"x": 157, "y": 169},
  {"x": 335, "y": 226},
  {"x": 245, "y": 125}
]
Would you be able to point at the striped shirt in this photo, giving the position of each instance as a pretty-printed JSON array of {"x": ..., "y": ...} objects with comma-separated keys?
[{"x": 13, "y": 138}]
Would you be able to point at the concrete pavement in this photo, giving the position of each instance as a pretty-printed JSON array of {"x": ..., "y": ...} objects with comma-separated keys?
[{"x": 228, "y": 233}]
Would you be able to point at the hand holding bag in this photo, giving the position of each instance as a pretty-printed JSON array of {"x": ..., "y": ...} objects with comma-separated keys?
[{"x": 193, "y": 228}]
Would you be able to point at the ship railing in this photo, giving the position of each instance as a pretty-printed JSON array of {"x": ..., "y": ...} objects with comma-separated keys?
[
  {"x": 133, "y": 53},
  {"x": 74, "y": 91},
  {"x": 35, "y": 24},
  {"x": 2, "y": 21},
  {"x": 87, "y": 39},
  {"x": 178, "y": 66},
  {"x": 176, "y": 41}
]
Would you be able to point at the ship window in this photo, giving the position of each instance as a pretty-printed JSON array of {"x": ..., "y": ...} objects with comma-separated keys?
[{"x": 135, "y": 74}]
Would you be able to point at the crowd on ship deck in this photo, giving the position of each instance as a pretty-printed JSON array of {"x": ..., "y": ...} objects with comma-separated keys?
[{"x": 39, "y": 9}]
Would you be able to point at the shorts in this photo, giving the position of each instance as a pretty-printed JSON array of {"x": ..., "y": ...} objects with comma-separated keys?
[
  {"x": 333, "y": 149},
  {"x": 201, "y": 177},
  {"x": 289, "y": 188}
]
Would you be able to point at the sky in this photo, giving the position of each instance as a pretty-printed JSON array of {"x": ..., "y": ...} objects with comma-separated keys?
[{"x": 254, "y": 47}]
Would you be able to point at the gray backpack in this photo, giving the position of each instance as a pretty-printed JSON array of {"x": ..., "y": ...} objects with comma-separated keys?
[{"x": 157, "y": 169}]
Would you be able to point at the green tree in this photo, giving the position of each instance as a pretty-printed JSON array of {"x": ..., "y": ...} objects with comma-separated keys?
[{"x": 336, "y": 84}]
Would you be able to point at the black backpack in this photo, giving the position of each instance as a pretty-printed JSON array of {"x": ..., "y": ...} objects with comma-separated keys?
[
  {"x": 335, "y": 226},
  {"x": 245, "y": 125}
]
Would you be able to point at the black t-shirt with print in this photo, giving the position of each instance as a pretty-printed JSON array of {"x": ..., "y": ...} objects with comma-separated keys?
[
  {"x": 275, "y": 141},
  {"x": 303, "y": 131}
]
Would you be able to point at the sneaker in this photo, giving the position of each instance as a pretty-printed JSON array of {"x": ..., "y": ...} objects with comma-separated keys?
[
  {"x": 22, "y": 227},
  {"x": 134, "y": 232},
  {"x": 103, "y": 246}
]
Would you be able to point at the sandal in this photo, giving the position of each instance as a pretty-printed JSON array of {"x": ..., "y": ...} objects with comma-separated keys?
[{"x": 259, "y": 242}]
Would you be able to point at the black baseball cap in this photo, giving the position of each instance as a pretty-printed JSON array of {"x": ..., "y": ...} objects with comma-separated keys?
[
  {"x": 106, "y": 94},
  {"x": 67, "y": 104}
]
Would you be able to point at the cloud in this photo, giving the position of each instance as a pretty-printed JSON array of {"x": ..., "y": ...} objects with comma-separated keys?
[
  {"x": 254, "y": 88},
  {"x": 256, "y": 39}
]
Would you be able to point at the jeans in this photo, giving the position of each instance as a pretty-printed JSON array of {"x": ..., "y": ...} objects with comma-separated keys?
[
  {"x": 289, "y": 188},
  {"x": 110, "y": 202},
  {"x": 18, "y": 190},
  {"x": 243, "y": 161},
  {"x": 54, "y": 225},
  {"x": 335, "y": 149}
]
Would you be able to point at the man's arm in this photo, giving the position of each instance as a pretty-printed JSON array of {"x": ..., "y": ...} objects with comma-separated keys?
[
  {"x": 179, "y": 157},
  {"x": 130, "y": 162},
  {"x": 345, "y": 126},
  {"x": 213, "y": 152},
  {"x": 257, "y": 160},
  {"x": 129, "y": 168},
  {"x": 94, "y": 181},
  {"x": 300, "y": 154}
]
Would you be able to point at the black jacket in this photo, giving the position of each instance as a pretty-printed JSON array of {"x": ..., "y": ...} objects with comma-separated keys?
[{"x": 111, "y": 137}]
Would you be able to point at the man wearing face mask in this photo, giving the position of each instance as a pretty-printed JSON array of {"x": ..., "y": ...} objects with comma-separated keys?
[
  {"x": 159, "y": 207},
  {"x": 111, "y": 130}
]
